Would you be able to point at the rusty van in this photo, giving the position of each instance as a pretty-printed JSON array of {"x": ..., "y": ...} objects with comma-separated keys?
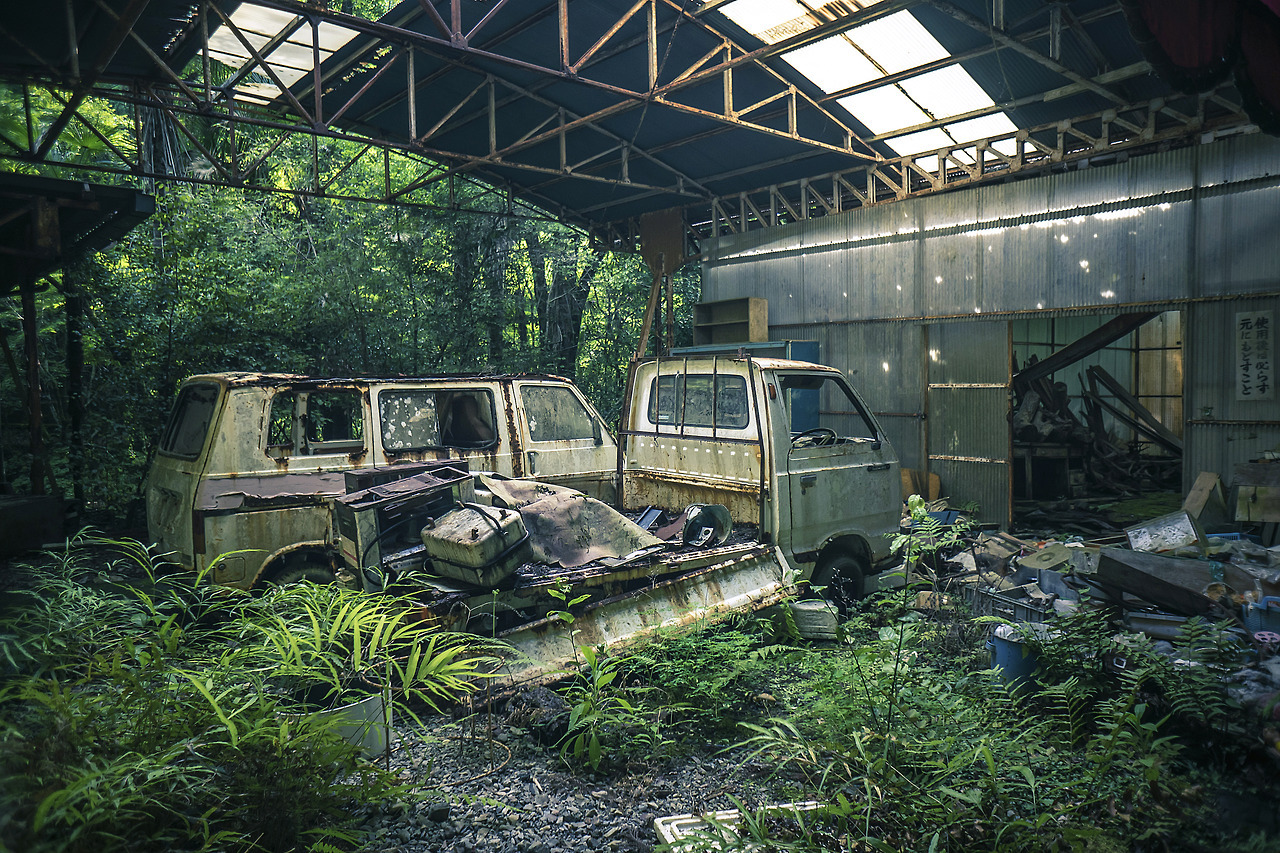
[{"x": 249, "y": 464}]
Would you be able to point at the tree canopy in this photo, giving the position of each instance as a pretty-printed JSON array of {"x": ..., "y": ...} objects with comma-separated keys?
[{"x": 224, "y": 279}]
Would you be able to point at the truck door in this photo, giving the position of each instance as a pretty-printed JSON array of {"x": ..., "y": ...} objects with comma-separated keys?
[
  {"x": 172, "y": 481},
  {"x": 566, "y": 441},
  {"x": 842, "y": 475}
]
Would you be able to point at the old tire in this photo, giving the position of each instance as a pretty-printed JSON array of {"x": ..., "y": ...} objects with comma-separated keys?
[
  {"x": 844, "y": 577},
  {"x": 298, "y": 571}
]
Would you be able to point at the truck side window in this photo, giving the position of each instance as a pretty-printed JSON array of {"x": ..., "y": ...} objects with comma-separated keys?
[
  {"x": 334, "y": 421},
  {"x": 824, "y": 401},
  {"x": 555, "y": 414},
  {"x": 688, "y": 400},
  {"x": 189, "y": 424},
  {"x": 410, "y": 420}
]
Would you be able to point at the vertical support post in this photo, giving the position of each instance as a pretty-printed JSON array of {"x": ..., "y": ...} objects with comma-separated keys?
[
  {"x": 652, "y": 19},
  {"x": 493, "y": 115},
  {"x": 73, "y": 45},
  {"x": 413, "y": 98},
  {"x": 1055, "y": 32},
  {"x": 317, "y": 87},
  {"x": 73, "y": 278},
  {"x": 564, "y": 34},
  {"x": 204, "y": 53},
  {"x": 997, "y": 14}
]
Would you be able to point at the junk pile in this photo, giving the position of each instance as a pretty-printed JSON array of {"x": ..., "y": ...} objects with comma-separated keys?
[{"x": 1166, "y": 572}]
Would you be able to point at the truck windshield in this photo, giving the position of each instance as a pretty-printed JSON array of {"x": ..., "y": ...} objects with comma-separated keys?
[
  {"x": 823, "y": 402},
  {"x": 189, "y": 422}
]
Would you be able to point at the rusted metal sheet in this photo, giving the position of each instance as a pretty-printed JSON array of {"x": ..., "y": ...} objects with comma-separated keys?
[{"x": 547, "y": 648}]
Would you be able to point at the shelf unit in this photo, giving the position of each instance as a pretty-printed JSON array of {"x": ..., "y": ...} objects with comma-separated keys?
[{"x": 731, "y": 321}]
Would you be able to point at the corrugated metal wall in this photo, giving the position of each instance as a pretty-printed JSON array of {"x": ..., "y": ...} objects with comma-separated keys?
[
  {"x": 1222, "y": 431},
  {"x": 1161, "y": 231}
]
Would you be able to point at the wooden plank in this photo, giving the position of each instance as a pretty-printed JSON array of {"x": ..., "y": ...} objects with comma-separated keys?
[
  {"x": 1108, "y": 333},
  {"x": 1138, "y": 425},
  {"x": 1207, "y": 502},
  {"x": 1122, "y": 394}
]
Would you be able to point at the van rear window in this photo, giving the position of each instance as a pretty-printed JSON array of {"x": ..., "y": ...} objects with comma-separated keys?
[
  {"x": 189, "y": 421},
  {"x": 699, "y": 400}
]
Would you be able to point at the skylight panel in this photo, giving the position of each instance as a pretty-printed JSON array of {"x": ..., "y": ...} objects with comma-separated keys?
[
  {"x": 832, "y": 64},
  {"x": 985, "y": 127},
  {"x": 769, "y": 20},
  {"x": 897, "y": 42},
  {"x": 924, "y": 140},
  {"x": 947, "y": 92},
  {"x": 884, "y": 110}
]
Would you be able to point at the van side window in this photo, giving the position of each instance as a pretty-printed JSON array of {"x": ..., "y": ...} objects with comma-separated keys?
[
  {"x": 189, "y": 424},
  {"x": 555, "y": 414},
  {"x": 409, "y": 420},
  {"x": 468, "y": 418},
  {"x": 682, "y": 400},
  {"x": 280, "y": 425},
  {"x": 334, "y": 421}
]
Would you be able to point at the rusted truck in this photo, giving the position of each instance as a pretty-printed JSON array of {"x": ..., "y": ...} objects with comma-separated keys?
[
  {"x": 249, "y": 464},
  {"x": 775, "y": 473}
]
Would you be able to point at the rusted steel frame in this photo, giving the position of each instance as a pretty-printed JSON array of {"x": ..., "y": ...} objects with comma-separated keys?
[
  {"x": 272, "y": 43},
  {"x": 191, "y": 137},
  {"x": 609, "y": 34},
  {"x": 472, "y": 34},
  {"x": 324, "y": 186},
  {"x": 266, "y": 66},
  {"x": 428, "y": 7},
  {"x": 122, "y": 30},
  {"x": 1043, "y": 153},
  {"x": 932, "y": 66},
  {"x": 377, "y": 75},
  {"x": 574, "y": 124},
  {"x": 1031, "y": 53},
  {"x": 562, "y": 21},
  {"x": 159, "y": 61},
  {"x": 94, "y": 130}
]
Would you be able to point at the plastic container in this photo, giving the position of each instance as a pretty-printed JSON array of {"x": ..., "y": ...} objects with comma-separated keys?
[
  {"x": 1263, "y": 616},
  {"x": 475, "y": 544},
  {"x": 1010, "y": 655}
]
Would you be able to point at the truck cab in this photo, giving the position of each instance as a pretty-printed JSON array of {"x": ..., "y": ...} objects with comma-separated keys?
[
  {"x": 249, "y": 463},
  {"x": 785, "y": 445}
]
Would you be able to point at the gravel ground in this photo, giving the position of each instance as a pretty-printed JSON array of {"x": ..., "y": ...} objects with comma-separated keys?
[{"x": 501, "y": 791}]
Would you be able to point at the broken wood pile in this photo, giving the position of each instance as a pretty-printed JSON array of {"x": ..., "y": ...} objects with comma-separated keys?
[{"x": 1043, "y": 416}]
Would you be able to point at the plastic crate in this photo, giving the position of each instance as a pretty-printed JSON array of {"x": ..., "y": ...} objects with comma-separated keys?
[
  {"x": 986, "y": 602},
  {"x": 1263, "y": 616}
]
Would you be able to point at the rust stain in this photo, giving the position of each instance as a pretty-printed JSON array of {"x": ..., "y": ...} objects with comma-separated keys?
[{"x": 509, "y": 409}]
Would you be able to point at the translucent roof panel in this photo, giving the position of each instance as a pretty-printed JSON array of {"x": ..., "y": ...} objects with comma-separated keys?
[
  {"x": 291, "y": 60},
  {"x": 833, "y": 64},
  {"x": 884, "y": 110},
  {"x": 897, "y": 42},
  {"x": 947, "y": 92}
]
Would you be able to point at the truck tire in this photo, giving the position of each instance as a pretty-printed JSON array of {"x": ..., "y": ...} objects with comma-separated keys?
[
  {"x": 843, "y": 576},
  {"x": 298, "y": 570}
]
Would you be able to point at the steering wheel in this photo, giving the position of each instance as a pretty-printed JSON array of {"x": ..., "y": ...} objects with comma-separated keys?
[{"x": 816, "y": 437}]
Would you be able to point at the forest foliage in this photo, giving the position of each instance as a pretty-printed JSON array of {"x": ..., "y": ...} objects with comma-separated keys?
[{"x": 223, "y": 279}]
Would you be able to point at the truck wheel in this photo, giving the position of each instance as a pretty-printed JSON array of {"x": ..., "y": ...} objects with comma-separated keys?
[
  {"x": 842, "y": 575},
  {"x": 298, "y": 571}
]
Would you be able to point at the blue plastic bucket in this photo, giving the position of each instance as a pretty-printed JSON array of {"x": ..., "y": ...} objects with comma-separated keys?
[{"x": 1010, "y": 656}]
